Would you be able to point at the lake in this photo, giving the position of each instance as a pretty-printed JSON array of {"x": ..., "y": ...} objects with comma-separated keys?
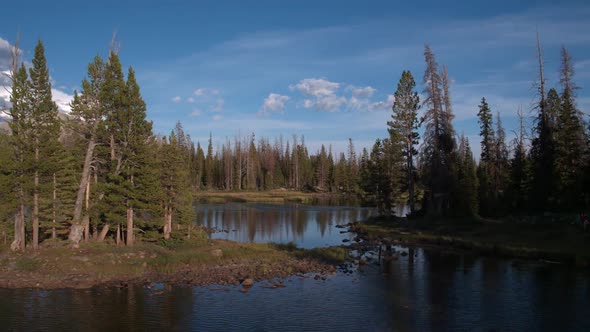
[
  {"x": 308, "y": 226},
  {"x": 427, "y": 290}
]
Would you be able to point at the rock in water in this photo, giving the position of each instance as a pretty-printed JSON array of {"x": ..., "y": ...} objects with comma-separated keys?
[
  {"x": 76, "y": 234},
  {"x": 248, "y": 282},
  {"x": 217, "y": 252}
]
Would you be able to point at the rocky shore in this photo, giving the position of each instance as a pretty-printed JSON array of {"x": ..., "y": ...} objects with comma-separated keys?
[{"x": 218, "y": 262}]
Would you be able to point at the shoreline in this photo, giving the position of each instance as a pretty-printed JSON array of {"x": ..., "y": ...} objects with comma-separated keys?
[
  {"x": 555, "y": 244},
  {"x": 215, "y": 262},
  {"x": 278, "y": 196},
  {"x": 203, "y": 262}
]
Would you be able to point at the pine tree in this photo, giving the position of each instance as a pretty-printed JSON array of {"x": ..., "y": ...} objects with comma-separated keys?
[
  {"x": 501, "y": 167},
  {"x": 133, "y": 139},
  {"x": 8, "y": 199},
  {"x": 177, "y": 196},
  {"x": 381, "y": 183},
  {"x": 465, "y": 197},
  {"x": 571, "y": 139},
  {"x": 486, "y": 169},
  {"x": 438, "y": 147},
  {"x": 351, "y": 169},
  {"x": 19, "y": 113},
  {"x": 44, "y": 128},
  {"x": 208, "y": 174},
  {"x": 86, "y": 119},
  {"x": 60, "y": 184},
  {"x": 518, "y": 179},
  {"x": 486, "y": 131},
  {"x": 404, "y": 126},
  {"x": 115, "y": 187},
  {"x": 200, "y": 166},
  {"x": 542, "y": 187}
]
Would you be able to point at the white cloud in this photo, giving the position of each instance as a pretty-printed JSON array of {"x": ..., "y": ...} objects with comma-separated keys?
[
  {"x": 62, "y": 100},
  {"x": 316, "y": 87},
  {"x": 6, "y": 50},
  {"x": 204, "y": 92},
  {"x": 322, "y": 92},
  {"x": 383, "y": 105},
  {"x": 216, "y": 117},
  {"x": 274, "y": 103},
  {"x": 196, "y": 113},
  {"x": 359, "y": 92},
  {"x": 218, "y": 107},
  {"x": 176, "y": 99},
  {"x": 329, "y": 103},
  {"x": 190, "y": 100},
  {"x": 358, "y": 104},
  {"x": 323, "y": 95}
]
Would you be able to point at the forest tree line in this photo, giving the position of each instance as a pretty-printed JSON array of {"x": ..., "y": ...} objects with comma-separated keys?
[
  {"x": 101, "y": 171},
  {"x": 545, "y": 168}
]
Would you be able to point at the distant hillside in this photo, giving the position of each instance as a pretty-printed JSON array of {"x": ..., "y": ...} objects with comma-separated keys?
[
  {"x": 4, "y": 126},
  {"x": 4, "y": 123}
]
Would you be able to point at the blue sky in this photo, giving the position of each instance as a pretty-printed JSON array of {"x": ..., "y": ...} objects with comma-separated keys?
[{"x": 325, "y": 70}]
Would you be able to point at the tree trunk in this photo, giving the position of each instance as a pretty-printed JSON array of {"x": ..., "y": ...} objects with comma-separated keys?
[
  {"x": 83, "y": 182},
  {"x": 87, "y": 194},
  {"x": 53, "y": 233},
  {"x": 86, "y": 223},
  {"x": 112, "y": 147},
  {"x": 167, "y": 223},
  {"x": 118, "y": 235},
  {"x": 103, "y": 233},
  {"x": 411, "y": 180},
  {"x": 19, "y": 231},
  {"x": 36, "y": 200},
  {"x": 129, "y": 226}
]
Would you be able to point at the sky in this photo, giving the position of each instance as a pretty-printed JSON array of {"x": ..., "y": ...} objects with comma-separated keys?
[{"x": 325, "y": 70}]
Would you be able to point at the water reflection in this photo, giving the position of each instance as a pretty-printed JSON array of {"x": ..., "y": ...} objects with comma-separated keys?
[
  {"x": 426, "y": 291},
  {"x": 307, "y": 226}
]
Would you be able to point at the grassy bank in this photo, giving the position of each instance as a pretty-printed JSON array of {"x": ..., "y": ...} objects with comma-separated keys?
[
  {"x": 270, "y": 196},
  {"x": 196, "y": 262},
  {"x": 551, "y": 242}
]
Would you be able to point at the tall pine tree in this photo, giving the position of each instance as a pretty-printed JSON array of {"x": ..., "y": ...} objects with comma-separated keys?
[
  {"x": 404, "y": 126},
  {"x": 438, "y": 148}
]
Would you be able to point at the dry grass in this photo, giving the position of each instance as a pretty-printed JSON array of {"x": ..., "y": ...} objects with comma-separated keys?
[
  {"x": 95, "y": 263},
  {"x": 272, "y": 196}
]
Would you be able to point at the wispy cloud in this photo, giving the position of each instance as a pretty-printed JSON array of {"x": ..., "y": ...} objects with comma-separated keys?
[
  {"x": 196, "y": 112},
  {"x": 344, "y": 70},
  {"x": 218, "y": 106}
]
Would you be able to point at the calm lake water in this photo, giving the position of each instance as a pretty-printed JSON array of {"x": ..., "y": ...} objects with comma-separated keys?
[
  {"x": 307, "y": 226},
  {"x": 428, "y": 290}
]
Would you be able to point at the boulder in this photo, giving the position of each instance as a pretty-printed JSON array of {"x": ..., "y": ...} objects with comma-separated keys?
[{"x": 248, "y": 282}]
